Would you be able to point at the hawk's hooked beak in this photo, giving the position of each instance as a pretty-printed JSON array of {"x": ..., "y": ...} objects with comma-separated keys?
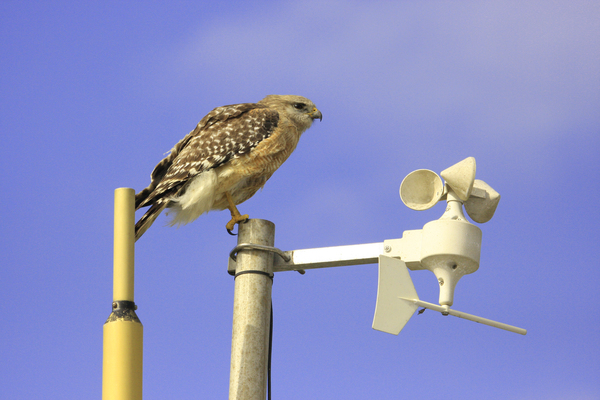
[{"x": 314, "y": 114}]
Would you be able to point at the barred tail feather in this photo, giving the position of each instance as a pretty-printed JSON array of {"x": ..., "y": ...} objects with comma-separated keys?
[
  {"x": 143, "y": 195},
  {"x": 148, "y": 218}
]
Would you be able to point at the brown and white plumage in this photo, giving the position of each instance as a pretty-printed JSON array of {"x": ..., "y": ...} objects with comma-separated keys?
[{"x": 232, "y": 152}]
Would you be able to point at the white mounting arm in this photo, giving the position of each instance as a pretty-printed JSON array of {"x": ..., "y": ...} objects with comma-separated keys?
[{"x": 324, "y": 257}]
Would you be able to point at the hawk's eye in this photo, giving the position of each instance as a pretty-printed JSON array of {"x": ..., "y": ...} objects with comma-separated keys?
[{"x": 299, "y": 106}]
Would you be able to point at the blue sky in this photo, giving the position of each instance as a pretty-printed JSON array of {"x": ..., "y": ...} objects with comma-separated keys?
[{"x": 94, "y": 94}]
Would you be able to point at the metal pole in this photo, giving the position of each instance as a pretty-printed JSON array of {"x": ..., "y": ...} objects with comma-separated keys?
[
  {"x": 251, "y": 313},
  {"x": 123, "y": 331}
]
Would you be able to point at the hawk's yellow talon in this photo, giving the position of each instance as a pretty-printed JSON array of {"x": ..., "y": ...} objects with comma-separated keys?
[
  {"x": 236, "y": 217},
  {"x": 234, "y": 220}
]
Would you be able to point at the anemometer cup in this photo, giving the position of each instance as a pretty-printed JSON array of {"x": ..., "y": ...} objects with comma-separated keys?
[
  {"x": 421, "y": 189},
  {"x": 482, "y": 204}
]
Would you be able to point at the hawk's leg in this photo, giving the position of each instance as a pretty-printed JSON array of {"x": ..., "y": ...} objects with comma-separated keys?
[{"x": 235, "y": 214}]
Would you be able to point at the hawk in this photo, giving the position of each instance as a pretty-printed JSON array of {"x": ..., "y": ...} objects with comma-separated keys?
[{"x": 231, "y": 154}]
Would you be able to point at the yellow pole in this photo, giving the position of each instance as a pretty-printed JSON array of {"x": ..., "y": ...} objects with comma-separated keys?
[
  {"x": 123, "y": 331},
  {"x": 124, "y": 241}
]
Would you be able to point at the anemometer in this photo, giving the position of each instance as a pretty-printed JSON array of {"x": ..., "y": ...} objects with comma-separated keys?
[{"x": 449, "y": 247}]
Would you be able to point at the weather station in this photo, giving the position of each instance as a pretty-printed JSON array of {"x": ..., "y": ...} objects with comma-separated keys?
[{"x": 449, "y": 247}]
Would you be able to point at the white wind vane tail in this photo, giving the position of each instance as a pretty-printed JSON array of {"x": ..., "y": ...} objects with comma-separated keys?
[{"x": 449, "y": 247}]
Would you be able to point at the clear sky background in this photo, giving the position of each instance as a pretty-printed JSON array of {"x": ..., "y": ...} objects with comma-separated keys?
[{"x": 94, "y": 93}]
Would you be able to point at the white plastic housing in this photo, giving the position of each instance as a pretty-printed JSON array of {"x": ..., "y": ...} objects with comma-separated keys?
[{"x": 451, "y": 249}]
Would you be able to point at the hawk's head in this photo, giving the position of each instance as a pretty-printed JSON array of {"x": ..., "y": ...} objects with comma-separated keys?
[{"x": 299, "y": 109}]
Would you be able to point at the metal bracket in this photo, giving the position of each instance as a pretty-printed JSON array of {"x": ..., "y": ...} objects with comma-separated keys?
[{"x": 251, "y": 246}]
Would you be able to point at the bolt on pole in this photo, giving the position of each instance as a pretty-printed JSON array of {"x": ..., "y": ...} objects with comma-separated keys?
[{"x": 251, "y": 313}]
